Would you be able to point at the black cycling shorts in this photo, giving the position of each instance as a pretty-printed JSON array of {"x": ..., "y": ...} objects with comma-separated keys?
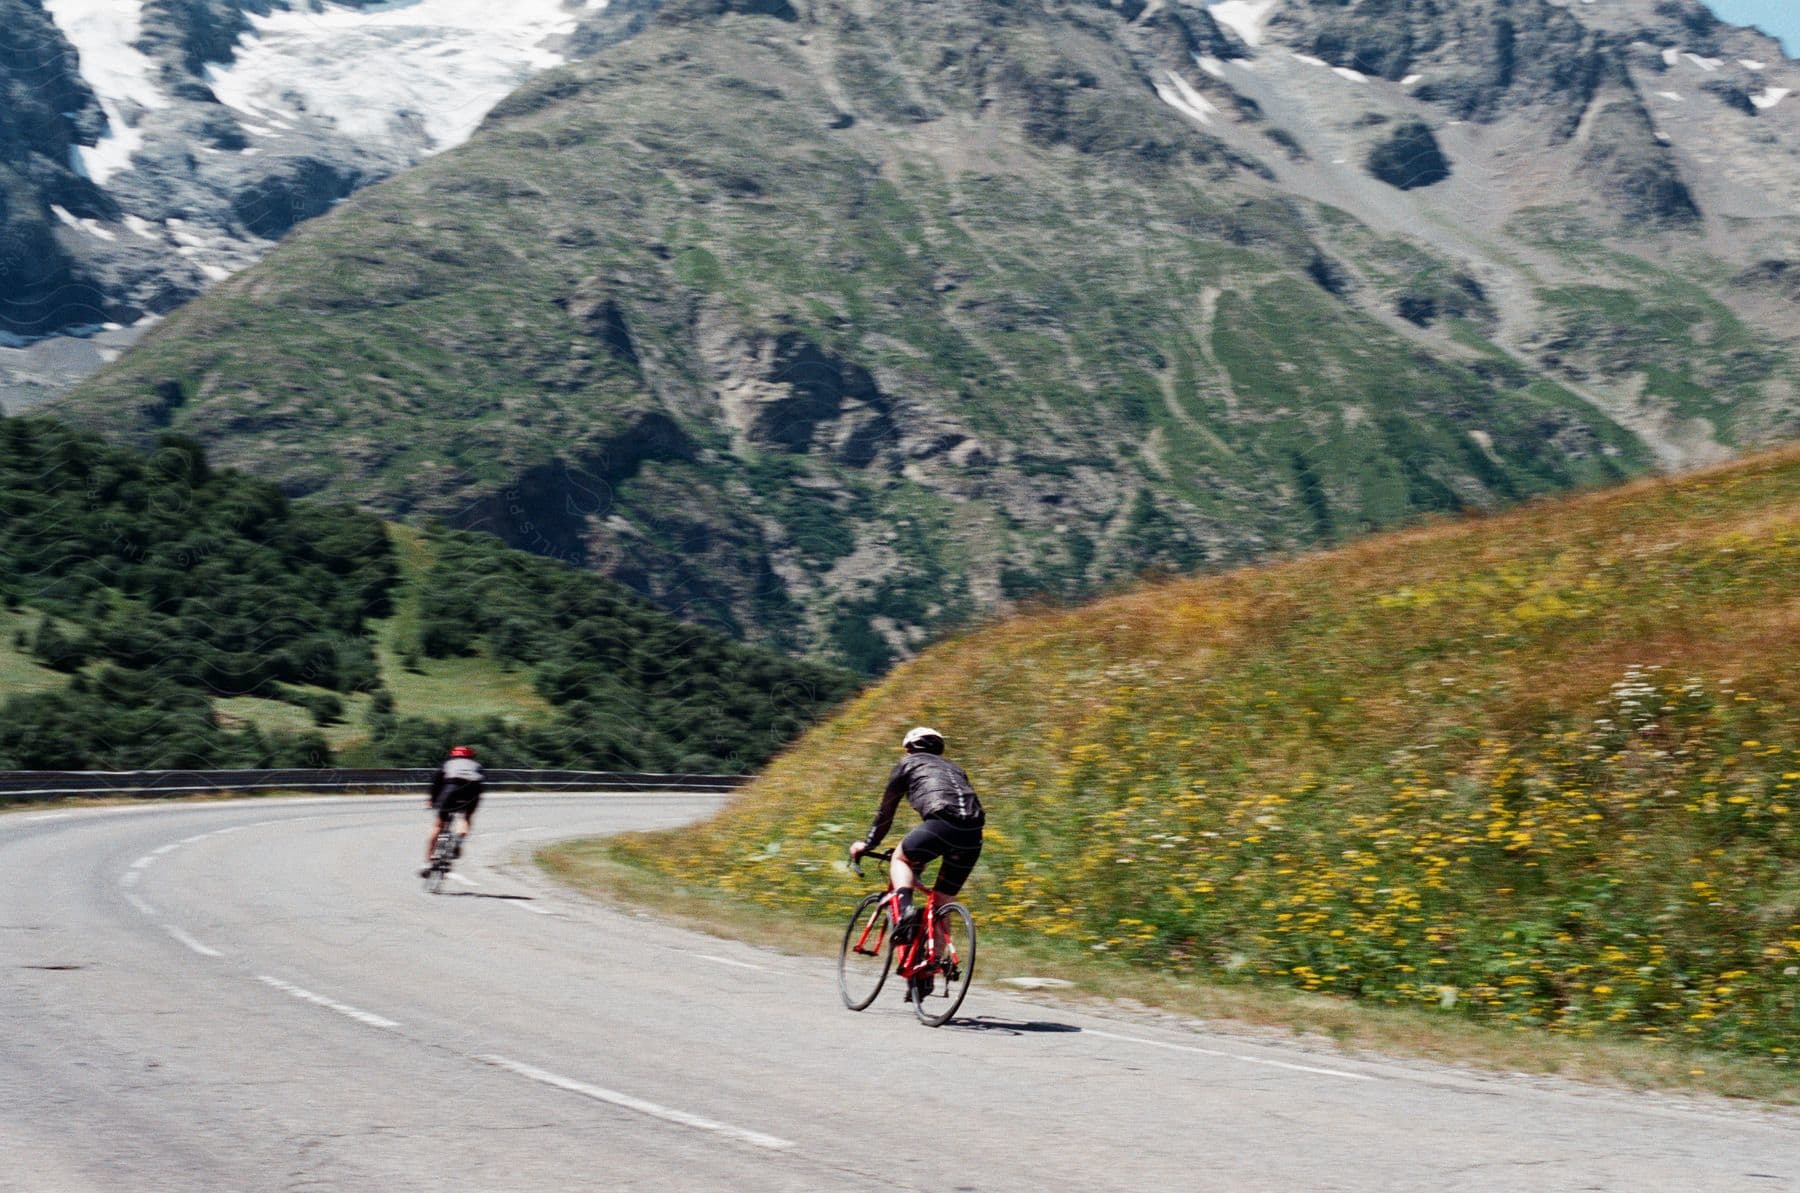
[
  {"x": 457, "y": 801},
  {"x": 958, "y": 842}
]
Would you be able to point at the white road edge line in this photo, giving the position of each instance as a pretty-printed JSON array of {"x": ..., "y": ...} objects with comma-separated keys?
[
  {"x": 1249, "y": 1060},
  {"x": 190, "y": 942},
  {"x": 464, "y": 878},
  {"x": 42, "y": 816},
  {"x": 361, "y": 1016},
  {"x": 528, "y": 907},
  {"x": 139, "y": 904},
  {"x": 130, "y": 878},
  {"x": 726, "y": 961},
  {"x": 627, "y": 1102}
]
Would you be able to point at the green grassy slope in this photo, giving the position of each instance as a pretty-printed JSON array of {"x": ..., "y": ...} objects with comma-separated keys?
[
  {"x": 828, "y": 334},
  {"x": 161, "y": 613},
  {"x": 1541, "y": 769},
  {"x": 467, "y": 688}
]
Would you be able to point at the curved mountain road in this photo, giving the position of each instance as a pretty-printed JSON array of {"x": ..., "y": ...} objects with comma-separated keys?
[{"x": 256, "y": 995}]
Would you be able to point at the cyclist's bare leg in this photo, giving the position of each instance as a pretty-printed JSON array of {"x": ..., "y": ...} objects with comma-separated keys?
[
  {"x": 437, "y": 828},
  {"x": 900, "y": 871}
]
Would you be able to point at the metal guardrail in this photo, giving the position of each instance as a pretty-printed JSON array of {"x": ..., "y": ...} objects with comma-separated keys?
[{"x": 20, "y": 786}]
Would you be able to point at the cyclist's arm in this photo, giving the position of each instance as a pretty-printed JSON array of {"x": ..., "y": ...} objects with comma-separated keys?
[{"x": 890, "y": 801}]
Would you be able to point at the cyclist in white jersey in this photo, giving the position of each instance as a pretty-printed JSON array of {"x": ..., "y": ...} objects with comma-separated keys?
[{"x": 455, "y": 791}]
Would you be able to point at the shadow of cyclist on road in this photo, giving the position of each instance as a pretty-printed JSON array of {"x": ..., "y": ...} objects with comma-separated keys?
[{"x": 1012, "y": 1027}]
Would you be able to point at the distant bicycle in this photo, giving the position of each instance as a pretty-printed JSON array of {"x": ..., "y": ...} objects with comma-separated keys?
[
  {"x": 449, "y": 848},
  {"x": 943, "y": 947}
]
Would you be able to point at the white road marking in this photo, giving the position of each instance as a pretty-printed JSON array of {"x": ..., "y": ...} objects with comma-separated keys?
[
  {"x": 139, "y": 904},
  {"x": 464, "y": 878},
  {"x": 726, "y": 961},
  {"x": 130, "y": 878},
  {"x": 356, "y": 1013},
  {"x": 171, "y": 847},
  {"x": 529, "y": 907},
  {"x": 627, "y": 1102},
  {"x": 50, "y": 816},
  {"x": 144, "y": 862},
  {"x": 1249, "y": 1060},
  {"x": 190, "y": 942}
]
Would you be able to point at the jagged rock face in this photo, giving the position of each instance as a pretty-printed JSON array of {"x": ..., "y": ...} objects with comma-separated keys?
[
  {"x": 1637, "y": 173},
  {"x": 1409, "y": 157},
  {"x": 1485, "y": 55},
  {"x": 914, "y": 310},
  {"x": 45, "y": 110},
  {"x": 149, "y": 150}
]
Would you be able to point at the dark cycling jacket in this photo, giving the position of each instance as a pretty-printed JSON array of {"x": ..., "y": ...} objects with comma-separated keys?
[{"x": 936, "y": 788}]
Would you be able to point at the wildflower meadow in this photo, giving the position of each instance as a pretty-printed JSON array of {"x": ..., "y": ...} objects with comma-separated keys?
[{"x": 1540, "y": 769}]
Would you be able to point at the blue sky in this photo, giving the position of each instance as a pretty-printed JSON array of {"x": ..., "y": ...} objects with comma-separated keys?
[{"x": 1779, "y": 18}]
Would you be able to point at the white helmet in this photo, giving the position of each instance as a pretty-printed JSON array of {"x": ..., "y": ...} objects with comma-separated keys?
[{"x": 929, "y": 740}]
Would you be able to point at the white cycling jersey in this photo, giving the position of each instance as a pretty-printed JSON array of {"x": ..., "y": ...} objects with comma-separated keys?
[{"x": 462, "y": 770}]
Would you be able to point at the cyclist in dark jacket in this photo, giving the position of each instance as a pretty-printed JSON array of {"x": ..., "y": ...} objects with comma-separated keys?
[{"x": 940, "y": 792}]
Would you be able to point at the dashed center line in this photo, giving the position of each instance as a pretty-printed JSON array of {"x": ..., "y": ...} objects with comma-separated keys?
[
  {"x": 727, "y": 961},
  {"x": 627, "y": 1102},
  {"x": 356, "y": 1013},
  {"x": 1249, "y": 1060},
  {"x": 190, "y": 942}
]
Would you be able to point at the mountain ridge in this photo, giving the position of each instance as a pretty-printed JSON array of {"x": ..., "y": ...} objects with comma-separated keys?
[
  {"x": 150, "y": 150},
  {"x": 895, "y": 327}
]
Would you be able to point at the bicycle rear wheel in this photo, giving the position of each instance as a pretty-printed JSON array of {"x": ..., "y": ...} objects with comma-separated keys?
[
  {"x": 440, "y": 867},
  {"x": 867, "y": 953},
  {"x": 953, "y": 970}
]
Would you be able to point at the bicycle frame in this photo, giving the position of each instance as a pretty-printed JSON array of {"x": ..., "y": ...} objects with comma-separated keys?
[{"x": 918, "y": 956}]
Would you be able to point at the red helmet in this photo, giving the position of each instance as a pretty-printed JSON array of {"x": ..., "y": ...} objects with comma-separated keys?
[{"x": 461, "y": 752}]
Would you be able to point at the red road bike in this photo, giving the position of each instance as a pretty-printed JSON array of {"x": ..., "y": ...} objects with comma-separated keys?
[{"x": 940, "y": 954}]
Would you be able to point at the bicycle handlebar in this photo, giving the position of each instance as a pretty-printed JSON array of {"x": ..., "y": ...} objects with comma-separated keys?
[{"x": 880, "y": 855}]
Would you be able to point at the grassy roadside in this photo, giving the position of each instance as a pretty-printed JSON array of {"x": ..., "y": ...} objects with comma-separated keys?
[
  {"x": 1540, "y": 768},
  {"x": 593, "y": 868}
]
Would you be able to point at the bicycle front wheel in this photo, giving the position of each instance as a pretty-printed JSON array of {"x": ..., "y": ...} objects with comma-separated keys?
[
  {"x": 867, "y": 953},
  {"x": 951, "y": 971}
]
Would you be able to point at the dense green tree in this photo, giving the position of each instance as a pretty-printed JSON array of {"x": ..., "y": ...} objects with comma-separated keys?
[{"x": 162, "y": 583}]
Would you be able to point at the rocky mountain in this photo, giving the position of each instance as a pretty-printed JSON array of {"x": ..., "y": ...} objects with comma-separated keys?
[
  {"x": 150, "y": 148},
  {"x": 833, "y": 322}
]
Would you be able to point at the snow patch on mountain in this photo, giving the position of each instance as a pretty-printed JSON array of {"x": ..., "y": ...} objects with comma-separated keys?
[
  {"x": 1179, "y": 94},
  {"x": 103, "y": 33},
  {"x": 422, "y": 73},
  {"x": 1244, "y": 17}
]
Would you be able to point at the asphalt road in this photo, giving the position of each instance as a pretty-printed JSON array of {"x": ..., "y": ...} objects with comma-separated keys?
[{"x": 258, "y": 996}]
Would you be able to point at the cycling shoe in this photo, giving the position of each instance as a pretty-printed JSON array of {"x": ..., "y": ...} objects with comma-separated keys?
[{"x": 908, "y": 927}]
